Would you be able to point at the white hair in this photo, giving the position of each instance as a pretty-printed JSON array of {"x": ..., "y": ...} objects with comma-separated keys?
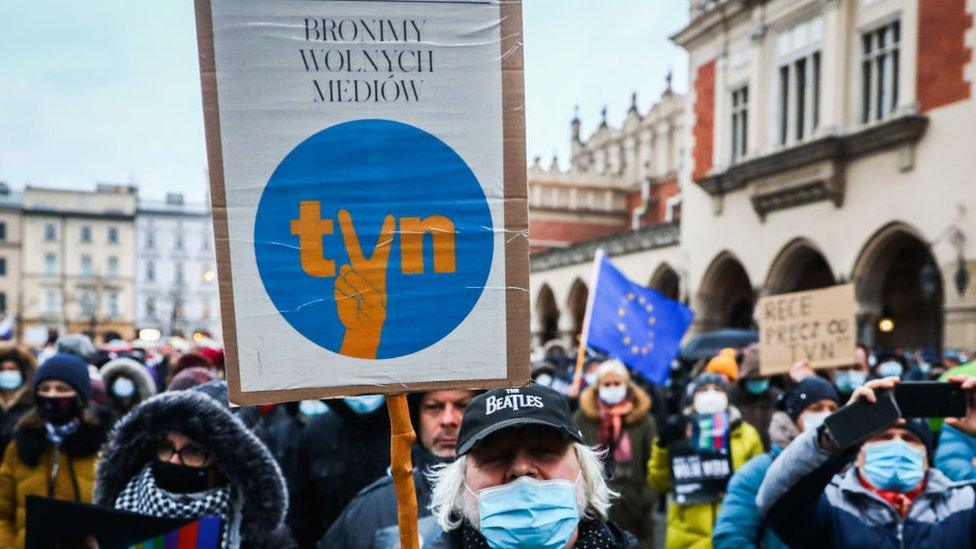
[
  {"x": 613, "y": 366},
  {"x": 451, "y": 500}
]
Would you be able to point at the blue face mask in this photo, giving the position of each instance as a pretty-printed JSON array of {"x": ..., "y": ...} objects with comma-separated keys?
[
  {"x": 312, "y": 407},
  {"x": 528, "y": 513},
  {"x": 11, "y": 379},
  {"x": 365, "y": 404},
  {"x": 848, "y": 380},
  {"x": 757, "y": 386},
  {"x": 123, "y": 387},
  {"x": 894, "y": 465},
  {"x": 889, "y": 369}
]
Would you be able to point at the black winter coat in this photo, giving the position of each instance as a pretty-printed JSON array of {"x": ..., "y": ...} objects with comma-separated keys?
[{"x": 339, "y": 453}]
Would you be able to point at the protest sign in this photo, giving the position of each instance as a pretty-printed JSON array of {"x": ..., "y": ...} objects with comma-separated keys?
[
  {"x": 368, "y": 188},
  {"x": 699, "y": 476},
  {"x": 818, "y": 326}
]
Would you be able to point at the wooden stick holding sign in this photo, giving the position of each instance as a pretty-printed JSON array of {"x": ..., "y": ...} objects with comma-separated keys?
[{"x": 402, "y": 439}]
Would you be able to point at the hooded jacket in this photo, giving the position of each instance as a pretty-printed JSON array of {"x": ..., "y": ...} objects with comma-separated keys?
[
  {"x": 632, "y": 510},
  {"x": 690, "y": 526},
  {"x": 339, "y": 453},
  {"x": 22, "y": 399},
  {"x": 29, "y": 461},
  {"x": 809, "y": 503},
  {"x": 257, "y": 487},
  {"x": 136, "y": 372}
]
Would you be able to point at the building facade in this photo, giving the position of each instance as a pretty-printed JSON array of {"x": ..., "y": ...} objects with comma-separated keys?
[
  {"x": 10, "y": 226},
  {"x": 77, "y": 261},
  {"x": 176, "y": 276},
  {"x": 827, "y": 141}
]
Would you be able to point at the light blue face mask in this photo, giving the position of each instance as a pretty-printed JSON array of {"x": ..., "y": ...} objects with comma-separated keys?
[
  {"x": 894, "y": 465},
  {"x": 889, "y": 369},
  {"x": 757, "y": 386},
  {"x": 312, "y": 407},
  {"x": 528, "y": 513},
  {"x": 848, "y": 380},
  {"x": 365, "y": 404},
  {"x": 123, "y": 387},
  {"x": 11, "y": 379}
]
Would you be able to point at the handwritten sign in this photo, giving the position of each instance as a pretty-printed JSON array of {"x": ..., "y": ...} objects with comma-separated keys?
[
  {"x": 818, "y": 326},
  {"x": 368, "y": 183}
]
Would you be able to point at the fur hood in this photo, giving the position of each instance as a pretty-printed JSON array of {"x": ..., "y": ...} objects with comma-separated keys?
[
  {"x": 589, "y": 403},
  {"x": 145, "y": 386},
  {"x": 28, "y": 367},
  {"x": 244, "y": 461}
]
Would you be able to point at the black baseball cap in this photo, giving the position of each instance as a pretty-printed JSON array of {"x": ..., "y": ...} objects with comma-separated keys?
[{"x": 500, "y": 409}]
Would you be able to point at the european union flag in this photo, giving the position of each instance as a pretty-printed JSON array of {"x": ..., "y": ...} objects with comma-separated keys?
[{"x": 633, "y": 323}]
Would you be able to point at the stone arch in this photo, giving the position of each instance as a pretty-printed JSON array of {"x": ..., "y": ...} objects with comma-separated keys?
[
  {"x": 576, "y": 305},
  {"x": 667, "y": 282},
  {"x": 799, "y": 266},
  {"x": 725, "y": 297},
  {"x": 897, "y": 277},
  {"x": 547, "y": 313}
]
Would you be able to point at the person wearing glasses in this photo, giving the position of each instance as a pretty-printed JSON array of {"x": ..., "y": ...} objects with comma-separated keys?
[{"x": 185, "y": 455}]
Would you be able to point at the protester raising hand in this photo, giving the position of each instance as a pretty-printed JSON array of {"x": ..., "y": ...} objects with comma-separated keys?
[
  {"x": 956, "y": 454},
  {"x": 966, "y": 424}
]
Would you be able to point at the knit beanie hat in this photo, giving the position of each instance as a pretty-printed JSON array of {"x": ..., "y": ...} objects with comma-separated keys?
[
  {"x": 189, "y": 378},
  {"x": 920, "y": 428},
  {"x": 708, "y": 379},
  {"x": 724, "y": 364},
  {"x": 68, "y": 368},
  {"x": 808, "y": 391}
]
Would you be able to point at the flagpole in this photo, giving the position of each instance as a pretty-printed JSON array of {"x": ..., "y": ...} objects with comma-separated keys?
[{"x": 585, "y": 333}]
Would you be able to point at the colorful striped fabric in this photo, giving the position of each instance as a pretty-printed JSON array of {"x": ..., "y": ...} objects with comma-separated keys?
[
  {"x": 711, "y": 432},
  {"x": 201, "y": 534}
]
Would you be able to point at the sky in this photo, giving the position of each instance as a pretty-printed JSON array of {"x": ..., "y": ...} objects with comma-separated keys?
[{"x": 108, "y": 90}]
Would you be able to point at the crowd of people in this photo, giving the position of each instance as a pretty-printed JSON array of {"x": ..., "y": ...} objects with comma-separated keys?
[{"x": 148, "y": 429}]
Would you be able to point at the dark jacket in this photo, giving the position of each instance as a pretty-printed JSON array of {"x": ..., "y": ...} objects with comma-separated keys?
[
  {"x": 632, "y": 510},
  {"x": 339, "y": 453},
  {"x": 618, "y": 538},
  {"x": 21, "y": 399},
  {"x": 756, "y": 410},
  {"x": 241, "y": 458},
  {"x": 809, "y": 503},
  {"x": 375, "y": 508}
]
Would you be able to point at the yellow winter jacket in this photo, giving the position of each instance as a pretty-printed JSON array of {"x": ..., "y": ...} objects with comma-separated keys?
[
  {"x": 690, "y": 526},
  {"x": 75, "y": 478}
]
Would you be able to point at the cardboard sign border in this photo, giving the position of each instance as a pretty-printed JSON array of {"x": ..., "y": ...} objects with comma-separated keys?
[
  {"x": 766, "y": 370},
  {"x": 516, "y": 224}
]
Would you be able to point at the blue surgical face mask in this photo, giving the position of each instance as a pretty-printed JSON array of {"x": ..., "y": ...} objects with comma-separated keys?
[
  {"x": 11, "y": 379},
  {"x": 757, "y": 386},
  {"x": 312, "y": 407},
  {"x": 893, "y": 465},
  {"x": 123, "y": 387},
  {"x": 528, "y": 513},
  {"x": 365, "y": 404},
  {"x": 848, "y": 380},
  {"x": 890, "y": 368}
]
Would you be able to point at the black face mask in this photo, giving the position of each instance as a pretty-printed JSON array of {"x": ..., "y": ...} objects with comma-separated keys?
[
  {"x": 58, "y": 410},
  {"x": 180, "y": 479}
]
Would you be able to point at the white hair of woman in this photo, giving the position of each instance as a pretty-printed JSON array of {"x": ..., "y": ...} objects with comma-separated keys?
[
  {"x": 613, "y": 366},
  {"x": 451, "y": 502}
]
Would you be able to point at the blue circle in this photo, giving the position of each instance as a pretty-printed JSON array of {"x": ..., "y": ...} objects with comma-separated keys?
[{"x": 371, "y": 169}]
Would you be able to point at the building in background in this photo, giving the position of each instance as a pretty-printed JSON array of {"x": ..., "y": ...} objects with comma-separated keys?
[
  {"x": 77, "y": 261},
  {"x": 10, "y": 302},
  {"x": 176, "y": 276},
  {"x": 827, "y": 141}
]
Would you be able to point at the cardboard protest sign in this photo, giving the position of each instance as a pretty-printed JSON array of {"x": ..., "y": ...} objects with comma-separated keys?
[
  {"x": 699, "y": 476},
  {"x": 818, "y": 326},
  {"x": 368, "y": 186}
]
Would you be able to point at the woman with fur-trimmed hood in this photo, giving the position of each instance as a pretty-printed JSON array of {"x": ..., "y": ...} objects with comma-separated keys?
[
  {"x": 614, "y": 415},
  {"x": 183, "y": 454},
  {"x": 17, "y": 369},
  {"x": 127, "y": 383}
]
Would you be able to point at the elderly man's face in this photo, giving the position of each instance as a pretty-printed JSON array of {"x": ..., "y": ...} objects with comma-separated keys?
[{"x": 538, "y": 452}]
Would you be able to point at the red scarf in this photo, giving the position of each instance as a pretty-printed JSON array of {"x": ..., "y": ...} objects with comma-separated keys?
[
  {"x": 610, "y": 432},
  {"x": 902, "y": 503}
]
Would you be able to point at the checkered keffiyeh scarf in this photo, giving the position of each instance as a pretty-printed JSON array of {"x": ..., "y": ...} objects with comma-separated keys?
[{"x": 142, "y": 496}]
